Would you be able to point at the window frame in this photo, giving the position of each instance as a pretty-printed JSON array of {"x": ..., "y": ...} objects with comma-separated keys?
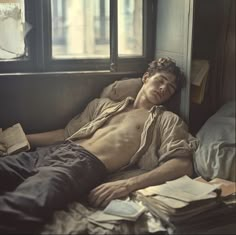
[{"x": 39, "y": 44}]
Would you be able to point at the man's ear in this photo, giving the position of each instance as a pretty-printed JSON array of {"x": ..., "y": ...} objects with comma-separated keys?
[{"x": 145, "y": 77}]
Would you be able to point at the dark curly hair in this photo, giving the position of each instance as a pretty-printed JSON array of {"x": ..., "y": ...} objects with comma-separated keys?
[{"x": 168, "y": 65}]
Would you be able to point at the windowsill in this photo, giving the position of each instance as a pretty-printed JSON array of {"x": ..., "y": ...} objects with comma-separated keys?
[{"x": 84, "y": 74}]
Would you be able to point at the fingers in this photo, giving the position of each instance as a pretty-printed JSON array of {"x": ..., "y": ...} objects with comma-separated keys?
[
  {"x": 107, "y": 200},
  {"x": 97, "y": 198},
  {"x": 99, "y": 194},
  {"x": 103, "y": 194}
]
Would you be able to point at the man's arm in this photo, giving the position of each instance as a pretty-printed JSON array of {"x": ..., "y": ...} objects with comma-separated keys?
[
  {"x": 172, "y": 169},
  {"x": 51, "y": 137},
  {"x": 46, "y": 138}
]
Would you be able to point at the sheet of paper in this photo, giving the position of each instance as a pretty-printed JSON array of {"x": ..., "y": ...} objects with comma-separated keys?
[
  {"x": 100, "y": 216},
  {"x": 103, "y": 225},
  {"x": 126, "y": 209},
  {"x": 183, "y": 188},
  {"x": 171, "y": 202},
  {"x": 149, "y": 191},
  {"x": 191, "y": 187}
]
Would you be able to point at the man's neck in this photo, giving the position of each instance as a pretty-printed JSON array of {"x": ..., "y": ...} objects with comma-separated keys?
[{"x": 142, "y": 102}]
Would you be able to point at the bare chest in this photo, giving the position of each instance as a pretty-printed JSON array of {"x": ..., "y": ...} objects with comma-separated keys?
[{"x": 132, "y": 118}]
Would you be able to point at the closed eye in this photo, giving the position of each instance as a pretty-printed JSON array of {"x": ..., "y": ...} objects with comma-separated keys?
[
  {"x": 170, "y": 84},
  {"x": 170, "y": 89}
]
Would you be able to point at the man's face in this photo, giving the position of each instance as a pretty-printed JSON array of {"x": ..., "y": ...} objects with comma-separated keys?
[{"x": 159, "y": 87}]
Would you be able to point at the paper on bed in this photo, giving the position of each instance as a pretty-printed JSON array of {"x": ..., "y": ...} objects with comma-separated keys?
[
  {"x": 129, "y": 210},
  {"x": 183, "y": 188},
  {"x": 171, "y": 202},
  {"x": 103, "y": 224},
  {"x": 100, "y": 216},
  {"x": 189, "y": 190}
]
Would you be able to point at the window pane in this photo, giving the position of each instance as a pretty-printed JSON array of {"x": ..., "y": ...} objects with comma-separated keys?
[
  {"x": 80, "y": 29},
  {"x": 12, "y": 29},
  {"x": 130, "y": 28}
]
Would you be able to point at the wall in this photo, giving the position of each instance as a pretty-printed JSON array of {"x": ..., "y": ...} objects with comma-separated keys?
[
  {"x": 209, "y": 43},
  {"x": 42, "y": 102},
  {"x": 174, "y": 39},
  {"x": 229, "y": 71}
]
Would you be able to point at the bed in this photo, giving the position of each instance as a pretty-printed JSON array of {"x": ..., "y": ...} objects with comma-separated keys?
[
  {"x": 208, "y": 163},
  {"x": 215, "y": 156}
]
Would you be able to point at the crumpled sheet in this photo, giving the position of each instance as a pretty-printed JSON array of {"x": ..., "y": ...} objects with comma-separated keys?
[{"x": 75, "y": 221}]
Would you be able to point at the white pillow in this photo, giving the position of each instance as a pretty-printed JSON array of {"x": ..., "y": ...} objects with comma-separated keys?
[{"x": 215, "y": 156}]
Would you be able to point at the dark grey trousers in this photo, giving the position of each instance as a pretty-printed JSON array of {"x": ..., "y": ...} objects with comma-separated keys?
[{"x": 35, "y": 184}]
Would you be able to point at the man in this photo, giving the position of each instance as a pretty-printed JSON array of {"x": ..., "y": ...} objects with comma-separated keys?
[{"x": 107, "y": 137}]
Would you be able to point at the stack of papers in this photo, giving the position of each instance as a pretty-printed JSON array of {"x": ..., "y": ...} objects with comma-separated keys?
[
  {"x": 183, "y": 189},
  {"x": 184, "y": 204}
]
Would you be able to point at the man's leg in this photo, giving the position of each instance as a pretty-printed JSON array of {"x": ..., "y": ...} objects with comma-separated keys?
[
  {"x": 15, "y": 169},
  {"x": 69, "y": 173},
  {"x": 34, "y": 200}
]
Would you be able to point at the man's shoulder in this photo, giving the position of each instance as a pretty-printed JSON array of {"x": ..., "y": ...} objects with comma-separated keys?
[
  {"x": 169, "y": 116},
  {"x": 101, "y": 104},
  {"x": 166, "y": 113},
  {"x": 101, "y": 101}
]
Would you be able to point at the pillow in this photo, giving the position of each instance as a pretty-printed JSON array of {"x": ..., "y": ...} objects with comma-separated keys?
[
  {"x": 227, "y": 110},
  {"x": 121, "y": 89},
  {"x": 215, "y": 156}
]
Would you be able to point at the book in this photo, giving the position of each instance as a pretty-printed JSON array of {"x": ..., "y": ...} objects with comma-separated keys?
[
  {"x": 180, "y": 199},
  {"x": 227, "y": 187},
  {"x": 13, "y": 140},
  {"x": 192, "y": 210},
  {"x": 199, "y": 75}
]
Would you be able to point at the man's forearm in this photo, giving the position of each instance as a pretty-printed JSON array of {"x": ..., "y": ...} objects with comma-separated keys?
[
  {"x": 45, "y": 138},
  {"x": 170, "y": 170}
]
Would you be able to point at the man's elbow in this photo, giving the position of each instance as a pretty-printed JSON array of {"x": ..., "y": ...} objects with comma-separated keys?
[{"x": 187, "y": 167}]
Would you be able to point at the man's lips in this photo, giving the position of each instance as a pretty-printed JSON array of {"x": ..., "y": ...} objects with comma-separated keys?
[{"x": 156, "y": 93}]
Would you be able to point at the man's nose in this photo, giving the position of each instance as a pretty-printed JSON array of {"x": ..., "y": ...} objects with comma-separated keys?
[{"x": 163, "y": 88}]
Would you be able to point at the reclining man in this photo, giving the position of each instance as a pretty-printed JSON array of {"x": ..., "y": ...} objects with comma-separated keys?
[{"x": 107, "y": 137}]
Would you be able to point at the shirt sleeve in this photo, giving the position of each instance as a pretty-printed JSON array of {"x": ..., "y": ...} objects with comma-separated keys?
[
  {"x": 81, "y": 119},
  {"x": 175, "y": 140}
]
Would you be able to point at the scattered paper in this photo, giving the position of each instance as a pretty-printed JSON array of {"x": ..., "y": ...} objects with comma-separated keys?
[
  {"x": 104, "y": 225},
  {"x": 171, "y": 202},
  {"x": 183, "y": 188},
  {"x": 100, "y": 216},
  {"x": 125, "y": 209}
]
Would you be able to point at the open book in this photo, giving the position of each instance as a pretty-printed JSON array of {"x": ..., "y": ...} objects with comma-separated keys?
[{"x": 13, "y": 140}]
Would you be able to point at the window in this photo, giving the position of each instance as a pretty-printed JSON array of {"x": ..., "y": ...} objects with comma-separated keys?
[
  {"x": 12, "y": 22},
  {"x": 130, "y": 28},
  {"x": 77, "y": 35},
  {"x": 80, "y": 29}
]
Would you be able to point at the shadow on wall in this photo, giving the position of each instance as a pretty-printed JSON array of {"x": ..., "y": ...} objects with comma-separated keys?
[{"x": 42, "y": 103}]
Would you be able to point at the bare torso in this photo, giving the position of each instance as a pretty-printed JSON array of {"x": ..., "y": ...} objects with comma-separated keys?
[{"x": 116, "y": 142}]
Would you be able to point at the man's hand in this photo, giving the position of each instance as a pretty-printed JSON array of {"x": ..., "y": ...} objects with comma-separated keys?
[{"x": 104, "y": 193}]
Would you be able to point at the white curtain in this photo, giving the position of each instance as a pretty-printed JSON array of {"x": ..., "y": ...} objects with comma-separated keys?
[{"x": 12, "y": 29}]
